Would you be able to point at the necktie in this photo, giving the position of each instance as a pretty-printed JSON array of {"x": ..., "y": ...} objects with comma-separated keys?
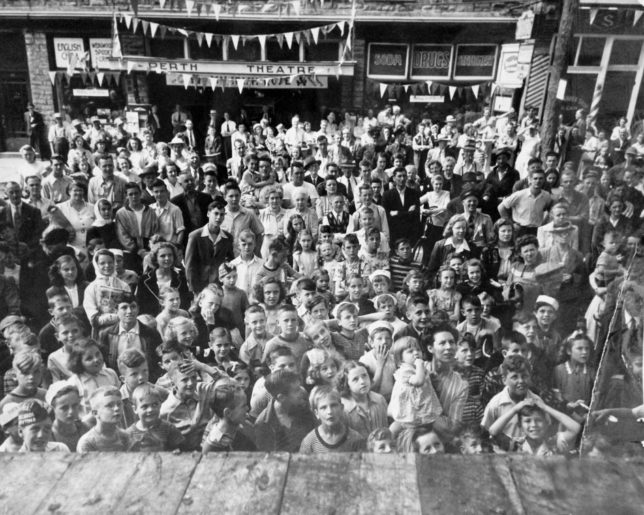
[
  {"x": 17, "y": 219},
  {"x": 191, "y": 139}
]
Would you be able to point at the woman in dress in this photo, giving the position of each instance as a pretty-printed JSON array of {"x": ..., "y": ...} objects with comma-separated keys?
[{"x": 79, "y": 214}]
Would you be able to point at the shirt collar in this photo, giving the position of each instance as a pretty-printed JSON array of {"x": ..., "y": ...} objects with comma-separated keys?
[
  {"x": 134, "y": 330},
  {"x": 461, "y": 247}
]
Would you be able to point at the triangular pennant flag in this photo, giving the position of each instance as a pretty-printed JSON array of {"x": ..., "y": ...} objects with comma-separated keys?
[
  {"x": 213, "y": 82},
  {"x": 162, "y": 3},
  {"x": 52, "y": 78},
  {"x": 218, "y": 39},
  {"x": 307, "y": 36},
  {"x": 298, "y": 38},
  {"x": 145, "y": 24},
  {"x": 243, "y": 39},
  {"x": 383, "y": 89},
  {"x": 288, "y": 36},
  {"x": 240, "y": 84},
  {"x": 593, "y": 15},
  {"x": 452, "y": 91},
  {"x": 636, "y": 17},
  {"x": 135, "y": 24},
  {"x": 135, "y": 6},
  {"x": 429, "y": 85},
  {"x": 296, "y": 7},
  {"x": 130, "y": 65},
  {"x": 262, "y": 42},
  {"x": 183, "y": 32},
  {"x": 190, "y": 5},
  {"x": 186, "y": 79},
  {"x": 315, "y": 32},
  {"x": 200, "y": 37},
  {"x": 153, "y": 28},
  {"x": 235, "y": 38},
  {"x": 216, "y": 8},
  {"x": 280, "y": 39},
  {"x": 92, "y": 76},
  {"x": 340, "y": 25},
  {"x": 101, "y": 77},
  {"x": 199, "y": 7},
  {"x": 475, "y": 90},
  {"x": 128, "y": 20},
  {"x": 406, "y": 88},
  {"x": 209, "y": 40}
]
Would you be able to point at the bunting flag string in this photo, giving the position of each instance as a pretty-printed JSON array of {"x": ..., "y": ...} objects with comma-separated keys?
[{"x": 432, "y": 87}]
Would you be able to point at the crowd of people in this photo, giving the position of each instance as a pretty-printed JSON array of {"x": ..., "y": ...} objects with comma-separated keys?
[{"x": 376, "y": 285}]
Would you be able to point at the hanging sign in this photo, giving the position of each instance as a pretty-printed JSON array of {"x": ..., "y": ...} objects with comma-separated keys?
[
  {"x": 91, "y": 92},
  {"x": 431, "y": 61},
  {"x": 100, "y": 50},
  {"x": 524, "y": 25},
  {"x": 508, "y": 75},
  {"x": 427, "y": 99},
  {"x": 475, "y": 62},
  {"x": 68, "y": 50},
  {"x": 230, "y": 81},
  {"x": 387, "y": 61}
]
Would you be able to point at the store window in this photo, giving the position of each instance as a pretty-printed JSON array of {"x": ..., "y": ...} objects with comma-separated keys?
[
  {"x": 591, "y": 51},
  {"x": 626, "y": 51},
  {"x": 579, "y": 95},
  {"x": 203, "y": 52},
  {"x": 323, "y": 51},
  {"x": 170, "y": 48},
  {"x": 275, "y": 52},
  {"x": 249, "y": 51},
  {"x": 616, "y": 97}
]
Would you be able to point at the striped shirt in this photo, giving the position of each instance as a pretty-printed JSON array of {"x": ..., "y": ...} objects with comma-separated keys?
[{"x": 313, "y": 443}]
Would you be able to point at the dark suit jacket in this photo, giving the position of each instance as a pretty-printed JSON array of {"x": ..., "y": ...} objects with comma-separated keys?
[
  {"x": 203, "y": 200},
  {"x": 202, "y": 258},
  {"x": 404, "y": 223},
  {"x": 31, "y": 226},
  {"x": 108, "y": 340},
  {"x": 147, "y": 291},
  {"x": 502, "y": 187}
]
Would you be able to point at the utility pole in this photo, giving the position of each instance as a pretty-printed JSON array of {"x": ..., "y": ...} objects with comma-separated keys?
[{"x": 550, "y": 122}]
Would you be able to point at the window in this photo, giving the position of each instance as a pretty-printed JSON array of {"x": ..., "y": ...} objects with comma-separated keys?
[
  {"x": 171, "y": 48},
  {"x": 214, "y": 53},
  {"x": 626, "y": 51},
  {"x": 276, "y": 53},
  {"x": 323, "y": 51},
  {"x": 591, "y": 51},
  {"x": 250, "y": 51}
]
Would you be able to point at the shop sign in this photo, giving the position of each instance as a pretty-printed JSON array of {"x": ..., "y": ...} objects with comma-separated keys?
[
  {"x": 509, "y": 75},
  {"x": 427, "y": 99},
  {"x": 431, "y": 61},
  {"x": 524, "y": 25},
  {"x": 230, "y": 81},
  {"x": 475, "y": 62},
  {"x": 91, "y": 92},
  {"x": 68, "y": 50},
  {"x": 387, "y": 61},
  {"x": 502, "y": 104},
  {"x": 100, "y": 50}
]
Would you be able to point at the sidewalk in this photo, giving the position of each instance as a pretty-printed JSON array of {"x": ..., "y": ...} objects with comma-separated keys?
[{"x": 10, "y": 163}]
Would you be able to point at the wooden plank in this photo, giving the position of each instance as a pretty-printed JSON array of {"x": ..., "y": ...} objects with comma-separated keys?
[
  {"x": 28, "y": 478},
  {"x": 560, "y": 485},
  {"x": 158, "y": 484},
  {"x": 237, "y": 483},
  {"x": 93, "y": 483},
  {"x": 465, "y": 484}
]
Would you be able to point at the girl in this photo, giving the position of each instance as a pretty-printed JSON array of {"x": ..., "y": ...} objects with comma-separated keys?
[
  {"x": 356, "y": 295},
  {"x": 243, "y": 375},
  {"x": 426, "y": 440},
  {"x": 365, "y": 410},
  {"x": 328, "y": 261},
  {"x": 103, "y": 227},
  {"x": 253, "y": 347},
  {"x": 413, "y": 285},
  {"x": 235, "y": 299},
  {"x": 437, "y": 200},
  {"x": 305, "y": 259},
  {"x": 476, "y": 282},
  {"x": 270, "y": 293},
  {"x": 322, "y": 280},
  {"x": 64, "y": 273},
  {"x": 445, "y": 297},
  {"x": 497, "y": 258},
  {"x": 102, "y": 294},
  {"x": 181, "y": 331},
  {"x": 170, "y": 302},
  {"x": 221, "y": 350},
  {"x": 413, "y": 399},
  {"x": 574, "y": 378},
  {"x": 294, "y": 226},
  {"x": 323, "y": 367},
  {"x": 89, "y": 372}
]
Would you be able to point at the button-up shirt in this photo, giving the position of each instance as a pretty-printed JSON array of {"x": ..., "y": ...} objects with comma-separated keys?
[
  {"x": 170, "y": 221},
  {"x": 55, "y": 189},
  {"x": 236, "y": 222},
  {"x": 527, "y": 210},
  {"x": 129, "y": 338}
]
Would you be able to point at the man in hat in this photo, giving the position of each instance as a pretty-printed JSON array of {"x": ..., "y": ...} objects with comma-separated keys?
[
  {"x": 59, "y": 136},
  {"x": 479, "y": 229},
  {"x": 147, "y": 177},
  {"x": 192, "y": 203},
  {"x": 503, "y": 176},
  {"x": 35, "y": 124},
  {"x": 467, "y": 163},
  {"x": 311, "y": 168},
  {"x": 616, "y": 173}
]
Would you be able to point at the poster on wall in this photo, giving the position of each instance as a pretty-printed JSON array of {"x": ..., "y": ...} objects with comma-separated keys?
[
  {"x": 69, "y": 50},
  {"x": 475, "y": 62},
  {"x": 431, "y": 61},
  {"x": 510, "y": 73},
  {"x": 100, "y": 51},
  {"x": 387, "y": 61}
]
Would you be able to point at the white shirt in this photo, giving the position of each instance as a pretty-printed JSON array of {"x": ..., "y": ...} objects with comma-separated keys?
[{"x": 129, "y": 339}]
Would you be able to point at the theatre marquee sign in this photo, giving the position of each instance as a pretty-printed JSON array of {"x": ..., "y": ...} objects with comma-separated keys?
[{"x": 395, "y": 61}]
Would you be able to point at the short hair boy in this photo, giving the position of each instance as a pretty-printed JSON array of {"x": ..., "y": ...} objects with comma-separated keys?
[
  {"x": 106, "y": 436},
  {"x": 34, "y": 421}
]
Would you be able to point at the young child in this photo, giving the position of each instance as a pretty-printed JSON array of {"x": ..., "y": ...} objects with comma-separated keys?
[
  {"x": 189, "y": 407},
  {"x": 242, "y": 374},
  {"x": 323, "y": 367},
  {"x": 402, "y": 263},
  {"x": 329, "y": 261},
  {"x": 247, "y": 263},
  {"x": 385, "y": 303},
  {"x": 426, "y": 440},
  {"x": 333, "y": 434},
  {"x": 220, "y": 352},
  {"x": 470, "y": 440},
  {"x": 170, "y": 302},
  {"x": 280, "y": 358},
  {"x": 413, "y": 399},
  {"x": 465, "y": 350},
  {"x": 549, "y": 341},
  {"x": 129, "y": 277},
  {"x": 169, "y": 352},
  {"x": 289, "y": 334},
  {"x": 606, "y": 271},
  {"x": 351, "y": 341},
  {"x": 351, "y": 265},
  {"x": 317, "y": 310},
  {"x": 305, "y": 260},
  {"x": 10, "y": 429},
  {"x": 35, "y": 423},
  {"x": 60, "y": 305},
  {"x": 106, "y": 435},
  {"x": 574, "y": 378},
  {"x": 28, "y": 368},
  {"x": 234, "y": 299},
  {"x": 485, "y": 332},
  {"x": 513, "y": 343},
  {"x": 223, "y": 433},
  {"x": 65, "y": 401},
  {"x": 257, "y": 336},
  {"x": 304, "y": 290},
  {"x": 413, "y": 286},
  {"x": 68, "y": 331},
  {"x": 378, "y": 360},
  {"x": 183, "y": 332},
  {"x": 89, "y": 372},
  {"x": 276, "y": 266},
  {"x": 371, "y": 253},
  {"x": 533, "y": 422},
  {"x": 380, "y": 441},
  {"x": 365, "y": 410},
  {"x": 487, "y": 308},
  {"x": 322, "y": 280},
  {"x": 380, "y": 281},
  {"x": 446, "y": 297},
  {"x": 149, "y": 433}
]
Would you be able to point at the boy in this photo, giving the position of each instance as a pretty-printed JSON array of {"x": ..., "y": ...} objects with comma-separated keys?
[
  {"x": 351, "y": 340},
  {"x": 380, "y": 441},
  {"x": 513, "y": 343},
  {"x": 224, "y": 430},
  {"x": 417, "y": 308},
  {"x": 9, "y": 425},
  {"x": 469, "y": 441},
  {"x": 280, "y": 358},
  {"x": 276, "y": 265},
  {"x": 305, "y": 289},
  {"x": 106, "y": 435},
  {"x": 134, "y": 371},
  {"x": 548, "y": 338},
  {"x": 149, "y": 433},
  {"x": 516, "y": 378},
  {"x": 289, "y": 336},
  {"x": 352, "y": 264},
  {"x": 370, "y": 253},
  {"x": 366, "y": 224},
  {"x": 60, "y": 305},
  {"x": 379, "y": 361},
  {"x": 485, "y": 331},
  {"x": 253, "y": 346},
  {"x": 402, "y": 263},
  {"x": 189, "y": 407},
  {"x": 247, "y": 263},
  {"x": 34, "y": 421},
  {"x": 65, "y": 401},
  {"x": 28, "y": 367},
  {"x": 68, "y": 330}
]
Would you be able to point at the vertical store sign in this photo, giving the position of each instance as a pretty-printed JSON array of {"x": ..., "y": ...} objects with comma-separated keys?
[
  {"x": 431, "y": 61},
  {"x": 509, "y": 74},
  {"x": 68, "y": 50},
  {"x": 387, "y": 61},
  {"x": 475, "y": 62}
]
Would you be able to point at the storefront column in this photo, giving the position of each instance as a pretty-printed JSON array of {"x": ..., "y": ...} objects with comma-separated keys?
[
  {"x": 359, "y": 56},
  {"x": 42, "y": 93},
  {"x": 137, "y": 88}
]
